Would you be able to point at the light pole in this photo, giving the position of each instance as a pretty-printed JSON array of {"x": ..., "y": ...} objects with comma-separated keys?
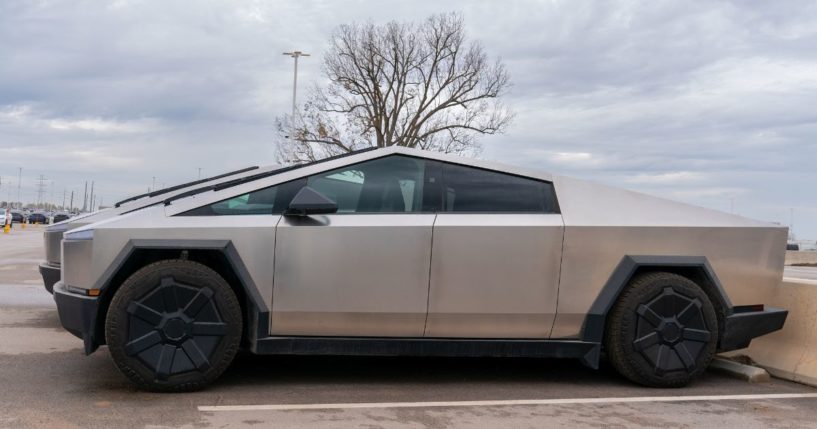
[
  {"x": 296, "y": 55},
  {"x": 19, "y": 182}
]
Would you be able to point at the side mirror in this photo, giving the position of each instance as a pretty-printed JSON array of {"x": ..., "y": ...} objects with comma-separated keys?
[{"x": 308, "y": 202}]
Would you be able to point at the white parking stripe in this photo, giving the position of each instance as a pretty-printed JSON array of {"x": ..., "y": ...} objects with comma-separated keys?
[{"x": 571, "y": 401}]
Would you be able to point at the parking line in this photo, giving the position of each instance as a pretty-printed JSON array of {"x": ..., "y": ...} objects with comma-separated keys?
[{"x": 566, "y": 401}]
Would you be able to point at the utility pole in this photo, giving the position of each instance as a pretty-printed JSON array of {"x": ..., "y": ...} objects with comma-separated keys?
[
  {"x": 19, "y": 181},
  {"x": 72, "y": 202},
  {"x": 199, "y": 172},
  {"x": 296, "y": 55},
  {"x": 63, "y": 197},
  {"x": 85, "y": 197},
  {"x": 92, "y": 195}
]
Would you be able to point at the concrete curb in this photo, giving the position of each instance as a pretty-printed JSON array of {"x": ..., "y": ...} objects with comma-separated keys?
[{"x": 749, "y": 373}]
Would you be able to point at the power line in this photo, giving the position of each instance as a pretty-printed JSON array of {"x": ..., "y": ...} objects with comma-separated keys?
[{"x": 40, "y": 190}]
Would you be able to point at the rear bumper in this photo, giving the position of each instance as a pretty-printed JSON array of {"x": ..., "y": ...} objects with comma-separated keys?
[
  {"x": 78, "y": 315},
  {"x": 51, "y": 275},
  {"x": 748, "y": 322}
]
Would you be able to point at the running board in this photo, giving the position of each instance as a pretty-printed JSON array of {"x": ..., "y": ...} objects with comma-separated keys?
[{"x": 588, "y": 353}]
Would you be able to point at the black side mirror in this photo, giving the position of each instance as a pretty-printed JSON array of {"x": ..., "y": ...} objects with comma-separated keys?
[{"x": 308, "y": 202}]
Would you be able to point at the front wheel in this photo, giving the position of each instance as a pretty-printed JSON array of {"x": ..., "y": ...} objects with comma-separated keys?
[
  {"x": 173, "y": 326},
  {"x": 662, "y": 331}
]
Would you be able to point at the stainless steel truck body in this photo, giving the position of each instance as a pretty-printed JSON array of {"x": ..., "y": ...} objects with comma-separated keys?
[{"x": 397, "y": 251}]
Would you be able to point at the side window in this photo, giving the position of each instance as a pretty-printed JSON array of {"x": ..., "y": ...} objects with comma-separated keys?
[
  {"x": 474, "y": 190},
  {"x": 271, "y": 200},
  {"x": 393, "y": 184}
]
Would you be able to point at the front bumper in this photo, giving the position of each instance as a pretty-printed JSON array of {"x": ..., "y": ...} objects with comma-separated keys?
[
  {"x": 748, "y": 322},
  {"x": 51, "y": 275},
  {"x": 78, "y": 315}
]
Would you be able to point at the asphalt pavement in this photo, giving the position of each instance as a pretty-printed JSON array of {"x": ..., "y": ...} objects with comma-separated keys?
[{"x": 48, "y": 382}]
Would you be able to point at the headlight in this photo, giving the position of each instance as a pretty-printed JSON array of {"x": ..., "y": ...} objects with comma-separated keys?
[{"x": 85, "y": 234}]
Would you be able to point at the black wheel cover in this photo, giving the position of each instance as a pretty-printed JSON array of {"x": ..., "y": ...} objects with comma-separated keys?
[
  {"x": 174, "y": 329},
  {"x": 671, "y": 332}
]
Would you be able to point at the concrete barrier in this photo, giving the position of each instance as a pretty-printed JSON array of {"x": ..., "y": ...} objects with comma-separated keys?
[
  {"x": 799, "y": 257},
  {"x": 790, "y": 353}
]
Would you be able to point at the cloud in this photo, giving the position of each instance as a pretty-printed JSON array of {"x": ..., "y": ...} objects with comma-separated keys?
[{"x": 705, "y": 102}]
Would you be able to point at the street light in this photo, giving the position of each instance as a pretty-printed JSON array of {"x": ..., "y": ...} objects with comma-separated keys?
[{"x": 296, "y": 55}]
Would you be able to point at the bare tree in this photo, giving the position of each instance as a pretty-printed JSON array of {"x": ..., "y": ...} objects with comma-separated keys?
[{"x": 415, "y": 85}]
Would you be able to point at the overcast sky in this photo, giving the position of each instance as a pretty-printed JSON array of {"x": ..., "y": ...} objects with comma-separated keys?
[{"x": 711, "y": 103}]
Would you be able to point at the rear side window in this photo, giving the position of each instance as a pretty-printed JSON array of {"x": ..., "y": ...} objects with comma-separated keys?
[
  {"x": 271, "y": 200},
  {"x": 473, "y": 190}
]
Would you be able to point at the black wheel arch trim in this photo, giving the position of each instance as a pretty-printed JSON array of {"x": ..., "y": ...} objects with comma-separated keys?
[
  {"x": 258, "y": 317},
  {"x": 594, "y": 322},
  {"x": 739, "y": 325}
]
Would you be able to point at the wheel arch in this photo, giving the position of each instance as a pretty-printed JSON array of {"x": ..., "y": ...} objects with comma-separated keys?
[
  {"x": 219, "y": 255},
  {"x": 695, "y": 268}
]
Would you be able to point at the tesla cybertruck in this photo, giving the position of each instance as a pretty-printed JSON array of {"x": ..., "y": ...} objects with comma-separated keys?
[
  {"x": 397, "y": 251},
  {"x": 50, "y": 268}
]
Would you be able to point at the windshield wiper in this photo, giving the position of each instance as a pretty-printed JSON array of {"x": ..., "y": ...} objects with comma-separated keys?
[
  {"x": 254, "y": 177},
  {"x": 184, "y": 185}
]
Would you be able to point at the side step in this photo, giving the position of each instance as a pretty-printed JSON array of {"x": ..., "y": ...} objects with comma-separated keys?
[{"x": 587, "y": 352}]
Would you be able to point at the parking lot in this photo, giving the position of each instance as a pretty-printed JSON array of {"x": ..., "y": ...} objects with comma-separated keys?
[{"x": 48, "y": 382}]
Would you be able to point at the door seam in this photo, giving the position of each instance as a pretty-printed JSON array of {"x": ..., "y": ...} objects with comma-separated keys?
[
  {"x": 559, "y": 278},
  {"x": 274, "y": 257},
  {"x": 430, "y": 262}
]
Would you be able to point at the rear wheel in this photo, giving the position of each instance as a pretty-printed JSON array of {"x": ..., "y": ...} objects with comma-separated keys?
[
  {"x": 662, "y": 331},
  {"x": 173, "y": 326}
]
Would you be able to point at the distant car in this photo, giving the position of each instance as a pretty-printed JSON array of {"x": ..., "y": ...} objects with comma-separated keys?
[
  {"x": 792, "y": 246},
  {"x": 17, "y": 216},
  {"x": 5, "y": 217},
  {"x": 397, "y": 251},
  {"x": 38, "y": 217},
  {"x": 61, "y": 216}
]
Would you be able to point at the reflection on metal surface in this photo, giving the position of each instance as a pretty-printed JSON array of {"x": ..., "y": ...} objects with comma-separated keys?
[
  {"x": 352, "y": 274},
  {"x": 494, "y": 276}
]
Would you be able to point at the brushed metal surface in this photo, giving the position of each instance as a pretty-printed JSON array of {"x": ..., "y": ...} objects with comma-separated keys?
[
  {"x": 494, "y": 275},
  {"x": 352, "y": 274},
  {"x": 51, "y": 242},
  {"x": 368, "y": 275},
  {"x": 78, "y": 256},
  {"x": 603, "y": 224}
]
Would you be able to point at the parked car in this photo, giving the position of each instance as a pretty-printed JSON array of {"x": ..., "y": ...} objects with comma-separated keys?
[
  {"x": 38, "y": 217},
  {"x": 17, "y": 216},
  {"x": 50, "y": 268},
  {"x": 5, "y": 217},
  {"x": 397, "y": 251},
  {"x": 61, "y": 216},
  {"x": 792, "y": 246}
]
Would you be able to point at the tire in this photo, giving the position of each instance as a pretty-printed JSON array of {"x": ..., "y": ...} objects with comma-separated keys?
[
  {"x": 173, "y": 326},
  {"x": 662, "y": 331}
]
